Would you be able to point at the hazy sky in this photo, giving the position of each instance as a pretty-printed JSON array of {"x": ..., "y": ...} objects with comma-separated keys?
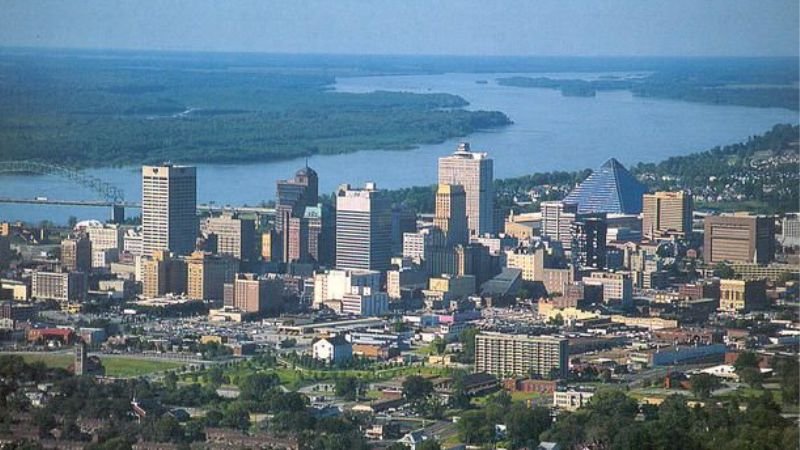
[{"x": 479, "y": 27}]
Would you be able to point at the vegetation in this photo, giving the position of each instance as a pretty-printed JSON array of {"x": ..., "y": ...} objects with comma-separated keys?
[
  {"x": 114, "y": 111},
  {"x": 744, "y": 83},
  {"x": 122, "y": 367},
  {"x": 762, "y": 170}
]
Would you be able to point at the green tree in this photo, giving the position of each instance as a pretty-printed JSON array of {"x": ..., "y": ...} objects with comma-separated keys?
[
  {"x": 258, "y": 386},
  {"x": 467, "y": 339},
  {"x": 787, "y": 371},
  {"x": 439, "y": 345},
  {"x": 746, "y": 366},
  {"x": 167, "y": 429},
  {"x": 170, "y": 381},
  {"x": 723, "y": 270},
  {"x": 526, "y": 424},
  {"x": 703, "y": 384},
  {"x": 429, "y": 444},
  {"x": 416, "y": 388},
  {"x": 346, "y": 387},
  {"x": 473, "y": 428}
]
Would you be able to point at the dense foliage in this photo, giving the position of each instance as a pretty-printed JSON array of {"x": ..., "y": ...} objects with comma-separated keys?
[
  {"x": 108, "y": 111},
  {"x": 770, "y": 83},
  {"x": 763, "y": 169}
]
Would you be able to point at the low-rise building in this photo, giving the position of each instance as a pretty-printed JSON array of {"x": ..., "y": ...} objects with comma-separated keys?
[
  {"x": 741, "y": 295},
  {"x": 332, "y": 350},
  {"x": 572, "y": 399}
]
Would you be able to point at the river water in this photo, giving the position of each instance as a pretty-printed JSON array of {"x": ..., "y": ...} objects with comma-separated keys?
[{"x": 550, "y": 132}]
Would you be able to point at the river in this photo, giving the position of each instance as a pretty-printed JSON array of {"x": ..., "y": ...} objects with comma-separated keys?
[{"x": 550, "y": 132}]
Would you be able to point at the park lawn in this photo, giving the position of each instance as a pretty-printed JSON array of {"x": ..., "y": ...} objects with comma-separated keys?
[
  {"x": 131, "y": 367},
  {"x": 115, "y": 367},
  {"x": 50, "y": 360},
  {"x": 524, "y": 396}
]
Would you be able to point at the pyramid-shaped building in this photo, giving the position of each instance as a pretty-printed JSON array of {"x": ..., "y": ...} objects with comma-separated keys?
[{"x": 609, "y": 189}]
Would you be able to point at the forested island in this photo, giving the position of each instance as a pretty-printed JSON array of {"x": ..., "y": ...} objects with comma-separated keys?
[
  {"x": 102, "y": 111},
  {"x": 760, "y": 174},
  {"x": 772, "y": 84}
]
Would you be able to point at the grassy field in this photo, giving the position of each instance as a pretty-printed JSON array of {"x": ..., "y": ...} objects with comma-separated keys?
[{"x": 115, "y": 367}]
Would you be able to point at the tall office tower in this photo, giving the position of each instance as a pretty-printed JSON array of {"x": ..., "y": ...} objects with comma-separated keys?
[
  {"x": 666, "y": 213},
  {"x": 270, "y": 249},
  {"x": 162, "y": 274},
  {"x": 169, "y": 208},
  {"x": 474, "y": 171},
  {"x": 557, "y": 218},
  {"x": 76, "y": 254},
  {"x": 451, "y": 215},
  {"x": 739, "y": 238},
  {"x": 507, "y": 355},
  {"x": 404, "y": 220},
  {"x": 311, "y": 237},
  {"x": 589, "y": 241},
  {"x": 235, "y": 235},
  {"x": 252, "y": 294},
  {"x": 363, "y": 228},
  {"x": 206, "y": 275},
  {"x": 294, "y": 195}
]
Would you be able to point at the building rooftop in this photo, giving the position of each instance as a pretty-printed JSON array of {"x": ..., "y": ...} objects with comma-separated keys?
[{"x": 609, "y": 189}]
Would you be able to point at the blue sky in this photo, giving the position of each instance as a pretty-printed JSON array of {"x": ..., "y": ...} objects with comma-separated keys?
[{"x": 467, "y": 27}]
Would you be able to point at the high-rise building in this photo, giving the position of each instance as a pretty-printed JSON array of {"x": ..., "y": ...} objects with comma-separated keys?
[
  {"x": 667, "y": 213},
  {"x": 294, "y": 196},
  {"x": 415, "y": 245},
  {"x": 311, "y": 237},
  {"x": 557, "y": 219},
  {"x": 76, "y": 254},
  {"x": 106, "y": 236},
  {"x": 507, "y": 355},
  {"x": 450, "y": 220},
  {"x": 740, "y": 237},
  {"x": 206, "y": 275},
  {"x": 363, "y": 228},
  {"x": 530, "y": 260},
  {"x": 252, "y": 294},
  {"x": 61, "y": 286},
  {"x": 162, "y": 274},
  {"x": 475, "y": 172},
  {"x": 404, "y": 220},
  {"x": 235, "y": 235},
  {"x": 169, "y": 209},
  {"x": 589, "y": 241}
]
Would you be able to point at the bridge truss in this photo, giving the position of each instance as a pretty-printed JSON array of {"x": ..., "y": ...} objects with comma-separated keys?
[{"x": 107, "y": 191}]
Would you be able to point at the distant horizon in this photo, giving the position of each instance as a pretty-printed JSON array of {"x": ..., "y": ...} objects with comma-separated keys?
[
  {"x": 609, "y": 28},
  {"x": 402, "y": 55}
]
